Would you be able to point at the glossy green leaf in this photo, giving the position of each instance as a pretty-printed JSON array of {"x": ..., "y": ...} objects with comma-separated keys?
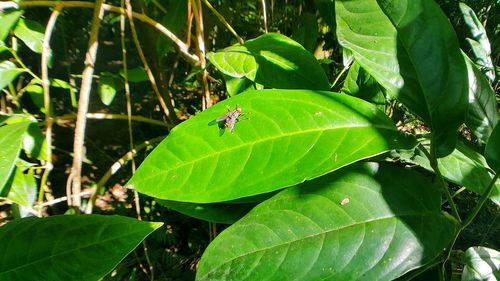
[
  {"x": 482, "y": 115},
  {"x": 7, "y": 21},
  {"x": 11, "y": 139},
  {"x": 31, "y": 33},
  {"x": 224, "y": 213},
  {"x": 8, "y": 72},
  {"x": 481, "y": 264},
  {"x": 364, "y": 222},
  {"x": 290, "y": 136},
  {"x": 410, "y": 48},
  {"x": 236, "y": 86},
  {"x": 24, "y": 188},
  {"x": 84, "y": 247},
  {"x": 306, "y": 33},
  {"x": 360, "y": 84},
  {"x": 492, "y": 150},
  {"x": 464, "y": 167},
  {"x": 480, "y": 45},
  {"x": 274, "y": 61}
]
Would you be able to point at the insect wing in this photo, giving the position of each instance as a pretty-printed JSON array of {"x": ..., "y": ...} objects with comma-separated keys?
[{"x": 222, "y": 118}]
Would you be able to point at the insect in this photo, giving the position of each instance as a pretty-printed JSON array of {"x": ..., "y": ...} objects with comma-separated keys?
[{"x": 230, "y": 118}]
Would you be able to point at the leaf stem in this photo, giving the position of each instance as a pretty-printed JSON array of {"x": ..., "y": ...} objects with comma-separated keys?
[
  {"x": 484, "y": 197},
  {"x": 223, "y": 21}
]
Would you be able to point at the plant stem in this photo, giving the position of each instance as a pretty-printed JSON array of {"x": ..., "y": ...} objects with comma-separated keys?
[
  {"x": 110, "y": 116},
  {"x": 435, "y": 166},
  {"x": 223, "y": 21},
  {"x": 46, "y": 99},
  {"x": 198, "y": 15},
  {"x": 109, "y": 8},
  {"x": 74, "y": 179},
  {"x": 264, "y": 12},
  {"x": 484, "y": 197}
]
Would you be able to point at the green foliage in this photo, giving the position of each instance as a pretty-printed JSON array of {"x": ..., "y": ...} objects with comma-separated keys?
[
  {"x": 294, "y": 165},
  {"x": 274, "y": 61},
  {"x": 481, "y": 264},
  {"x": 290, "y": 136},
  {"x": 354, "y": 224},
  {"x": 68, "y": 247}
]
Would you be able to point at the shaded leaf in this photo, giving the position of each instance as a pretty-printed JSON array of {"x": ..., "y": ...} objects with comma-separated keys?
[
  {"x": 290, "y": 136},
  {"x": 31, "y": 33},
  {"x": 391, "y": 224},
  {"x": 107, "y": 87},
  {"x": 84, "y": 247},
  {"x": 236, "y": 86},
  {"x": 492, "y": 150},
  {"x": 360, "y": 84},
  {"x": 326, "y": 9},
  {"x": 410, "y": 48},
  {"x": 272, "y": 60},
  {"x": 11, "y": 139},
  {"x": 135, "y": 75},
  {"x": 8, "y": 72},
  {"x": 224, "y": 213},
  {"x": 7, "y": 21},
  {"x": 481, "y": 264},
  {"x": 482, "y": 115},
  {"x": 480, "y": 45},
  {"x": 464, "y": 167}
]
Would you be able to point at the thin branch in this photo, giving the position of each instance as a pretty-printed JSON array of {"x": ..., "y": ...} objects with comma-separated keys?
[
  {"x": 223, "y": 21},
  {"x": 168, "y": 112},
  {"x": 183, "y": 48},
  {"x": 46, "y": 99},
  {"x": 109, "y": 116},
  {"x": 264, "y": 11},
  {"x": 198, "y": 15},
  {"x": 83, "y": 104}
]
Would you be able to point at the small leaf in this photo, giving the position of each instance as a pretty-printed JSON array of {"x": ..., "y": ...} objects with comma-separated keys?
[
  {"x": 272, "y": 60},
  {"x": 290, "y": 136},
  {"x": 24, "y": 188},
  {"x": 481, "y": 264},
  {"x": 364, "y": 222},
  {"x": 135, "y": 75},
  {"x": 11, "y": 139},
  {"x": 34, "y": 142},
  {"x": 8, "y": 72},
  {"x": 7, "y": 21},
  {"x": 492, "y": 149},
  {"x": 482, "y": 115},
  {"x": 224, "y": 213},
  {"x": 83, "y": 247},
  {"x": 31, "y": 33},
  {"x": 36, "y": 94},
  {"x": 107, "y": 87}
]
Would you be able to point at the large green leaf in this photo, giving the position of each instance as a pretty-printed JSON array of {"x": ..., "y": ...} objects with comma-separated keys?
[
  {"x": 8, "y": 72},
  {"x": 272, "y": 60},
  {"x": 224, "y": 213},
  {"x": 409, "y": 46},
  {"x": 464, "y": 167},
  {"x": 482, "y": 115},
  {"x": 68, "y": 247},
  {"x": 31, "y": 33},
  {"x": 7, "y": 21},
  {"x": 481, "y": 264},
  {"x": 492, "y": 150},
  {"x": 364, "y": 222},
  {"x": 11, "y": 140},
  {"x": 291, "y": 136}
]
